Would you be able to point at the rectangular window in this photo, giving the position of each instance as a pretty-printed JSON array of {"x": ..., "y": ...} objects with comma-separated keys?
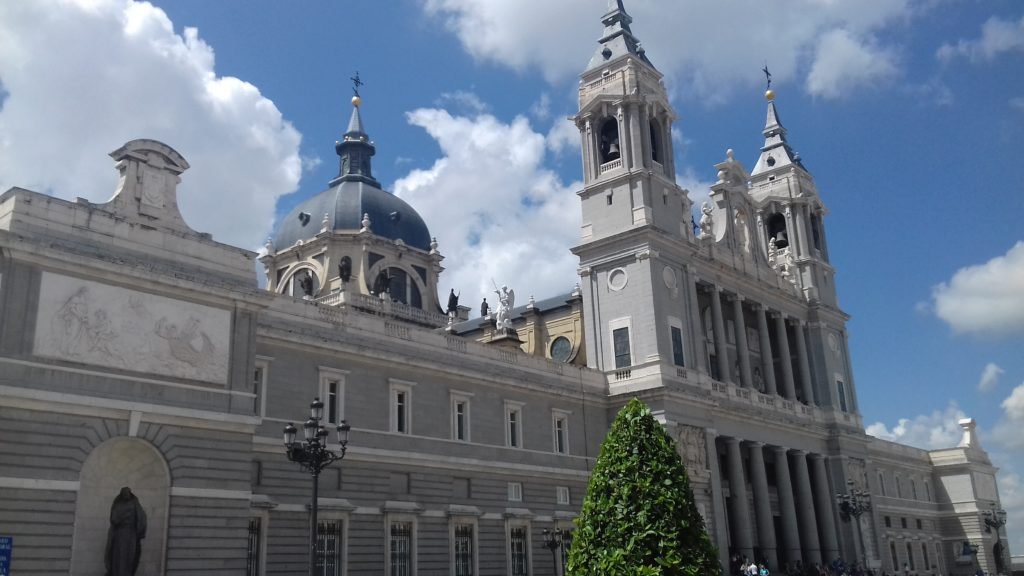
[
  {"x": 401, "y": 406},
  {"x": 329, "y": 540},
  {"x": 400, "y": 549},
  {"x": 460, "y": 415},
  {"x": 903, "y": 523},
  {"x": 515, "y": 492},
  {"x": 518, "y": 550},
  {"x": 254, "y": 548},
  {"x": 888, "y": 522},
  {"x": 560, "y": 431},
  {"x": 562, "y": 495},
  {"x": 919, "y": 525},
  {"x": 332, "y": 394},
  {"x": 677, "y": 346},
  {"x": 513, "y": 424},
  {"x": 620, "y": 340},
  {"x": 259, "y": 388},
  {"x": 841, "y": 392},
  {"x": 462, "y": 554}
]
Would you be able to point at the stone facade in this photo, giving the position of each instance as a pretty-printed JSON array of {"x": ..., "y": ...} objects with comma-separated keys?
[{"x": 137, "y": 352}]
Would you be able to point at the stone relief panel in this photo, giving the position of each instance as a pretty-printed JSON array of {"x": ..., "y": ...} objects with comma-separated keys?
[
  {"x": 693, "y": 450},
  {"x": 105, "y": 325},
  {"x": 856, "y": 471}
]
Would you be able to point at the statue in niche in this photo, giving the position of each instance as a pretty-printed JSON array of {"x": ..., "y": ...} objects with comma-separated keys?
[
  {"x": 124, "y": 537},
  {"x": 506, "y": 301},
  {"x": 742, "y": 233},
  {"x": 485, "y": 308},
  {"x": 382, "y": 285},
  {"x": 345, "y": 269},
  {"x": 773, "y": 252},
  {"x": 707, "y": 221},
  {"x": 306, "y": 283},
  {"x": 758, "y": 380}
]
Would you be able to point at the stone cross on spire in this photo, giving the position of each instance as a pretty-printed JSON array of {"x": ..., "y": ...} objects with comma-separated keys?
[{"x": 356, "y": 83}]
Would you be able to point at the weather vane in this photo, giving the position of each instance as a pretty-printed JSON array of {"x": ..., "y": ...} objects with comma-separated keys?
[
  {"x": 767, "y": 75},
  {"x": 356, "y": 83}
]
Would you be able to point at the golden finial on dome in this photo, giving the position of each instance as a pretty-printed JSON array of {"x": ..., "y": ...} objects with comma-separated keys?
[{"x": 356, "y": 83}]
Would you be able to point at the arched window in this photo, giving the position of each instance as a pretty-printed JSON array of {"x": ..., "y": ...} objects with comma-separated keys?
[
  {"x": 399, "y": 287},
  {"x": 303, "y": 282},
  {"x": 609, "y": 145},
  {"x": 656, "y": 144},
  {"x": 777, "y": 230}
]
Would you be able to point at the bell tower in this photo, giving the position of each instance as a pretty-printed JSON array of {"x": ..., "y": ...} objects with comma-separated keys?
[
  {"x": 790, "y": 220},
  {"x": 631, "y": 204}
]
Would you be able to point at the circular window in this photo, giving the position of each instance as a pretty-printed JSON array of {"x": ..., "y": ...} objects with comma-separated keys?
[
  {"x": 561, "y": 349},
  {"x": 617, "y": 279}
]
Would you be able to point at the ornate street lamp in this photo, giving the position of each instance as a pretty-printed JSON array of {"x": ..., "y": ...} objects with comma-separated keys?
[
  {"x": 313, "y": 456},
  {"x": 996, "y": 518},
  {"x": 557, "y": 541},
  {"x": 851, "y": 506}
]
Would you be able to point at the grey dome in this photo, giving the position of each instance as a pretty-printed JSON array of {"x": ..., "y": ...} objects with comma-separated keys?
[
  {"x": 345, "y": 203},
  {"x": 352, "y": 193}
]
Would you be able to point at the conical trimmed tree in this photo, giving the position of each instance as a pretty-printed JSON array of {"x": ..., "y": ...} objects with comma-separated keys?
[{"x": 639, "y": 517}]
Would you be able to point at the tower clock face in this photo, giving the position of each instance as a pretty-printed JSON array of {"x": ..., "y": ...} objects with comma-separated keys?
[{"x": 561, "y": 349}]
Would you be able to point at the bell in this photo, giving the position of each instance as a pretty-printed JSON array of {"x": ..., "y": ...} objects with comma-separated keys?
[
  {"x": 780, "y": 239},
  {"x": 613, "y": 148}
]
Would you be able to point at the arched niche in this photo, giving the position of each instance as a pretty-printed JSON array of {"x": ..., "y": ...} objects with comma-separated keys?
[
  {"x": 113, "y": 464},
  {"x": 610, "y": 146},
  {"x": 777, "y": 231},
  {"x": 656, "y": 141}
]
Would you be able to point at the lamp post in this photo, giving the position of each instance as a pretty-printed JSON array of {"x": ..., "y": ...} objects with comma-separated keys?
[
  {"x": 556, "y": 540},
  {"x": 313, "y": 456},
  {"x": 996, "y": 519},
  {"x": 851, "y": 506}
]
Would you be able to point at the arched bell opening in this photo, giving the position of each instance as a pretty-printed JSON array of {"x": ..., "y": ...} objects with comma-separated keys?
[
  {"x": 610, "y": 144},
  {"x": 303, "y": 282},
  {"x": 397, "y": 285},
  {"x": 656, "y": 143},
  {"x": 777, "y": 230}
]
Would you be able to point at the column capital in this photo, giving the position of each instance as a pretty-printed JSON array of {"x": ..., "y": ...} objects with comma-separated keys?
[
  {"x": 731, "y": 440},
  {"x": 799, "y": 453},
  {"x": 780, "y": 450},
  {"x": 715, "y": 287},
  {"x": 816, "y": 456},
  {"x": 760, "y": 307},
  {"x": 755, "y": 444},
  {"x": 777, "y": 314},
  {"x": 711, "y": 432},
  {"x": 734, "y": 297}
]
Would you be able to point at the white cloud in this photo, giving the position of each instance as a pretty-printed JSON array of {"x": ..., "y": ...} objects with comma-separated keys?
[
  {"x": 843, "y": 63},
  {"x": 541, "y": 109},
  {"x": 564, "y": 137},
  {"x": 997, "y": 36},
  {"x": 1013, "y": 406},
  {"x": 706, "y": 47},
  {"x": 1017, "y": 103},
  {"x": 985, "y": 298},
  {"x": 990, "y": 377},
  {"x": 85, "y": 76},
  {"x": 498, "y": 212},
  {"x": 464, "y": 100},
  {"x": 928, "y": 431}
]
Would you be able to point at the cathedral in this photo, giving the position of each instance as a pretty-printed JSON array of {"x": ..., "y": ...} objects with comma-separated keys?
[{"x": 137, "y": 353}]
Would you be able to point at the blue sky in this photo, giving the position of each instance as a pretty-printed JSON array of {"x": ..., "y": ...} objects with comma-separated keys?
[{"x": 909, "y": 114}]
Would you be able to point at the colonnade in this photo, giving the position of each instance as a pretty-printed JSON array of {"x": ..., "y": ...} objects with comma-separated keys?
[
  {"x": 798, "y": 524},
  {"x": 773, "y": 329}
]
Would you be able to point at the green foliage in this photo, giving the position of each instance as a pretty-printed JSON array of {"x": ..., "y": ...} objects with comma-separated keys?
[{"x": 639, "y": 517}]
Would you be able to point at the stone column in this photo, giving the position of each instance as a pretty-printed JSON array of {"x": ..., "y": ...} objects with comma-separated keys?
[
  {"x": 696, "y": 324},
  {"x": 805, "y": 509},
  {"x": 587, "y": 150},
  {"x": 805, "y": 367},
  {"x": 721, "y": 348},
  {"x": 720, "y": 535},
  {"x": 742, "y": 351},
  {"x": 767, "y": 367},
  {"x": 762, "y": 506},
  {"x": 823, "y": 504},
  {"x": 739, "y": 520},
  {"x": 636, "y": 158},
  {"x": 785, "y": 362},
  {"x": 787, "y": 509}
]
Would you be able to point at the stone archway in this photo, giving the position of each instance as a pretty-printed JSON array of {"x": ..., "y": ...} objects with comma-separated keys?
[{"x": 115, "y": 463}]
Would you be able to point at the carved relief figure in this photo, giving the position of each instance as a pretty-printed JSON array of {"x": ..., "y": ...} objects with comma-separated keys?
[
  {"x": 124, "y": 537},
  {"x": 71, "y": 324},
  {"x": 773, "y": 252},
  {"x": 691, "y": 440},
  {"x": 182, "y": 343}
]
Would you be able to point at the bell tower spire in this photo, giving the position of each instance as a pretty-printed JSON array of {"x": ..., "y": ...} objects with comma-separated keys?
[
  {"x": 791, "y": 214},
  {"x": 355, "y": 149}
]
